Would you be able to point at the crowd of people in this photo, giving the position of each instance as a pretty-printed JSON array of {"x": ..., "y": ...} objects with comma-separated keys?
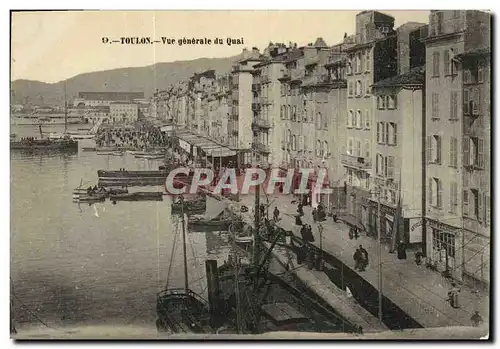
[{"x": 141, "y": 136}]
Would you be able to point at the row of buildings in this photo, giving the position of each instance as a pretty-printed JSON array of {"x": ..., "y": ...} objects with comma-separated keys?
[
  {"x": 390, "y": 112},
  {"x": 111, "y": 107}
]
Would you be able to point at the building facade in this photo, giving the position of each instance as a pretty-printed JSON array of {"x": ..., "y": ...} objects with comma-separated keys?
[
  {"x": 123, "y": 112},
  {"x": 455, "y": 199}
]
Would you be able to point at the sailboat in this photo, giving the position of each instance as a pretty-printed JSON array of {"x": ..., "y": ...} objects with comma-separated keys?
[{"x": 181, "y": 310}]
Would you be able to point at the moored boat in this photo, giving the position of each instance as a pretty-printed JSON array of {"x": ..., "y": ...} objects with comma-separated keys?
[
  {"x": 89, "y": 149},
  {"x": 92, "y": 197},
  {"x": 45, "y": 145},
  {"x": 137, "y": 196},
  {"x": 111, "y": 153},
  {"x": 193, "y": 206},
  {"x": 150, "y": 156}
]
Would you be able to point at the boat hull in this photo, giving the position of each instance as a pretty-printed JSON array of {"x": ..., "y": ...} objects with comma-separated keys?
[
  {"x": 139, "y": 196},
  {"x": 45, "y": 146}
]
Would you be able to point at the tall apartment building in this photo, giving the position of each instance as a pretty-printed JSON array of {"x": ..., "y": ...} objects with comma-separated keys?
[
  {"x": 371, "y": 58},
  {"x": 456, "y": 214},
  {"x": 398, "y": 146},
  {"x": 240, "y": 122}
]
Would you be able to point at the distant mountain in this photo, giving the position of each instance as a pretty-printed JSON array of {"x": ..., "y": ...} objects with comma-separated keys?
[{"x": 139, "y": 79}]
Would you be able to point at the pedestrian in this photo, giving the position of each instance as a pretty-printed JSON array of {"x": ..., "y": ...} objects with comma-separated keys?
[
  {"x": 357, "y": 259},
  {"x": 356, "y": 233},
  {"x": 364, "y": 258},
  {"x": 401, "y": 250},
  {"x": 351, "y": 233},
  {"x": 418, "y": 257},
  {"x": 315, "y": 215},
  {"x": 276, "y": 214},
  {"x": 334, "y": 216},
  {"x": 476, "y": 319},
  {"x": 300, "y": 210},
  {"x": 453, "y": 296}
]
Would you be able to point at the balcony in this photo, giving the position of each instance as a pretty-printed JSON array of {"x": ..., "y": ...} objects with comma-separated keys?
[
  {"x": 355, "y": 162},
  {"x": 255, "y": 87},
  {"x": 261, "y": 123}
]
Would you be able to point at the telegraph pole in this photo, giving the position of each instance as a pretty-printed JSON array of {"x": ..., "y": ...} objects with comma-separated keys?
[{"x": 379, "y": 226}]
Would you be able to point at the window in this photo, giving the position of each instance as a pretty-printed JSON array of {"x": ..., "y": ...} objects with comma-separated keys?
[
  {"x": 349, "y": 147},
  {"x": 326, "y": 153},
  {"x": 349, "y": 66},
  {"x": 443, "y": 244},
  {"x": 465, "y": 203},
  {"x": 294, "y": 142},
  {"x": 325, "y": 122},
  {"x": 480, "y": 75},
  {"x": 453, "y": 197},
  {"x": 358, "y": 148},
  {"x": 381, "y": 102},
  {"x": 368, "y": 61},
  {"x": 367, "y": 153},
  {"x": 453, "y": 151},
  {"x": 305, "y": 143},
  {"x": 435, "y": 192},
  {"x": 381, "y": 133},
  {"x": 350, "y": 118},
  {"x": 467, "y": 76},
  {"x": 282, "y": 113},
  {"x": 318, "y": 121},
  {"x": 359, "y": 88},
  {"x": 350, "y": 89},
  {"x": 367, "y": 119},
  {"x": 487, "y": 210},
  {"x": 475, "y": 150},
  {"x": 391, "y": 102},
  {"x": 294, "y": 114},
  {"x": 391, "y": 133},
  {"x": 454, "y": 105},
  {"x": 389, "y": 166},
  {"x": 477, "y": 204},
  {"x": 367, "y": 87},
  {"x": 435, "y": 64},
  {"x": 465, "y": 151},
  {"x": 379, "y": 161},
  {"x": 435, "y": 106},
  {"x": 434, "y": 149},
  {"x": 466, "y": 102},
  {"x": 358, "y": 63},
  {"x": 359, "y": 123},
  {"x": 452, "y": 65},
  {"x": 446, "y": 61}
]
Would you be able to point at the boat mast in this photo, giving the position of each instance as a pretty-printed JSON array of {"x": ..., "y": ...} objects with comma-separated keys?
[
  {"x": 65, "y": 110},
  {"x": 186, "y": 281},
  {"x": 256, "y": 235}
]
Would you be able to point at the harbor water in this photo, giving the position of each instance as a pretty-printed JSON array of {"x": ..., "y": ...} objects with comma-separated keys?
[{"x": 102, "y": 264}]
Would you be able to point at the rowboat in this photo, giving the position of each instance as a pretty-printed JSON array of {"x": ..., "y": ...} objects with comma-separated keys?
[
  {"x": 138, "y": 196},
  {"x": 92, "y": 197}
]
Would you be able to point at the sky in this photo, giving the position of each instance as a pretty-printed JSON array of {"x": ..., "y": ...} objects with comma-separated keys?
[{"x": 54, "y": 46}]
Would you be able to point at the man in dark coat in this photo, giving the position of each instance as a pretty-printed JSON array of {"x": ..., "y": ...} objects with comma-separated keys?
[{"x": 364, "y": 258}]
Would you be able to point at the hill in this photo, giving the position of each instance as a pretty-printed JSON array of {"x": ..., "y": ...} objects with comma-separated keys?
[{"x": 136, "y": 79}]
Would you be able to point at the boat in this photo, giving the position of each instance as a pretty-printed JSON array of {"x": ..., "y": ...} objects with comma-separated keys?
[
  {"x": 181, "y": 310},
  {"x": 92, "y": 197},
  {"x": 137, "y": 196},
  {"x": 132, "y": 178},
  {"x": 111, "y": 153},
  {"x": 81, "y": 136},
  {"x": 198, "y": 205},
  {"x": 150, "y": 156},
  {"x": 89, "y": 149},
  {"x": 44, "y": 144},
  {"x": 222, "y": 221}
]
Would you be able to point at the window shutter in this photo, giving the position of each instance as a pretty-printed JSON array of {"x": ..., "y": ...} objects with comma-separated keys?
[
  {"x": 395, "y": 134},
  {"x": 465, "y": 151},
  {"x": 446, "y": 62},
  {"x": 385, "y": 166},
  {"x": 361, "y": 121},
  {"x": 391, "y": 166},
  {"x": 466, "y": 102},
  {"x": 487, "y": 210},
  {"x": 476, "y": 102},
  {"x": 376, "y": 165},
  {"x": 480, "y": 153},
  {"x": 367, "y": 118},
  {"x": 479, "y": 201},
  {"x": 438, "y": 149},
  {"x": 439, "y": 194},
  {"x": 386, "y": 138},
  {"x": 465, "y": 203},
  {"x": 378, "y": 132},
  {"x": 429, "y": 149},
  {"x": 429, "y": 191},
  {"x": 367, "y": 151}
]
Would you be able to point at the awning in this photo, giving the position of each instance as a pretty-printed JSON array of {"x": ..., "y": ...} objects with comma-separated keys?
[{"x": 210, "y": 147}]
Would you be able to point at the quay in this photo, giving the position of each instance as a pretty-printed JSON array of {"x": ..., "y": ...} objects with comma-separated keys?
[{"x": 419, "y": 293}]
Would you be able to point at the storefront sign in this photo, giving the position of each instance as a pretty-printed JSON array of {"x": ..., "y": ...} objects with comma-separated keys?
[
  {"x": 415, "y": 230},
  {"x": 185, "y": 145}
]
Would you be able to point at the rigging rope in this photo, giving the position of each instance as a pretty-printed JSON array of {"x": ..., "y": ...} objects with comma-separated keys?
[{"x": 173, "y": 252}]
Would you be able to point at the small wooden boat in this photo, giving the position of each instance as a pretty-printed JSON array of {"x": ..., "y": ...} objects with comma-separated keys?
[
  {"x": 211, "y": 224},
  {"x": 193, "y": 206},
  {"x": 89, "y": 149},
  {"x": 92, "y": 197},
  {"x": 137, "y": 196}
]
